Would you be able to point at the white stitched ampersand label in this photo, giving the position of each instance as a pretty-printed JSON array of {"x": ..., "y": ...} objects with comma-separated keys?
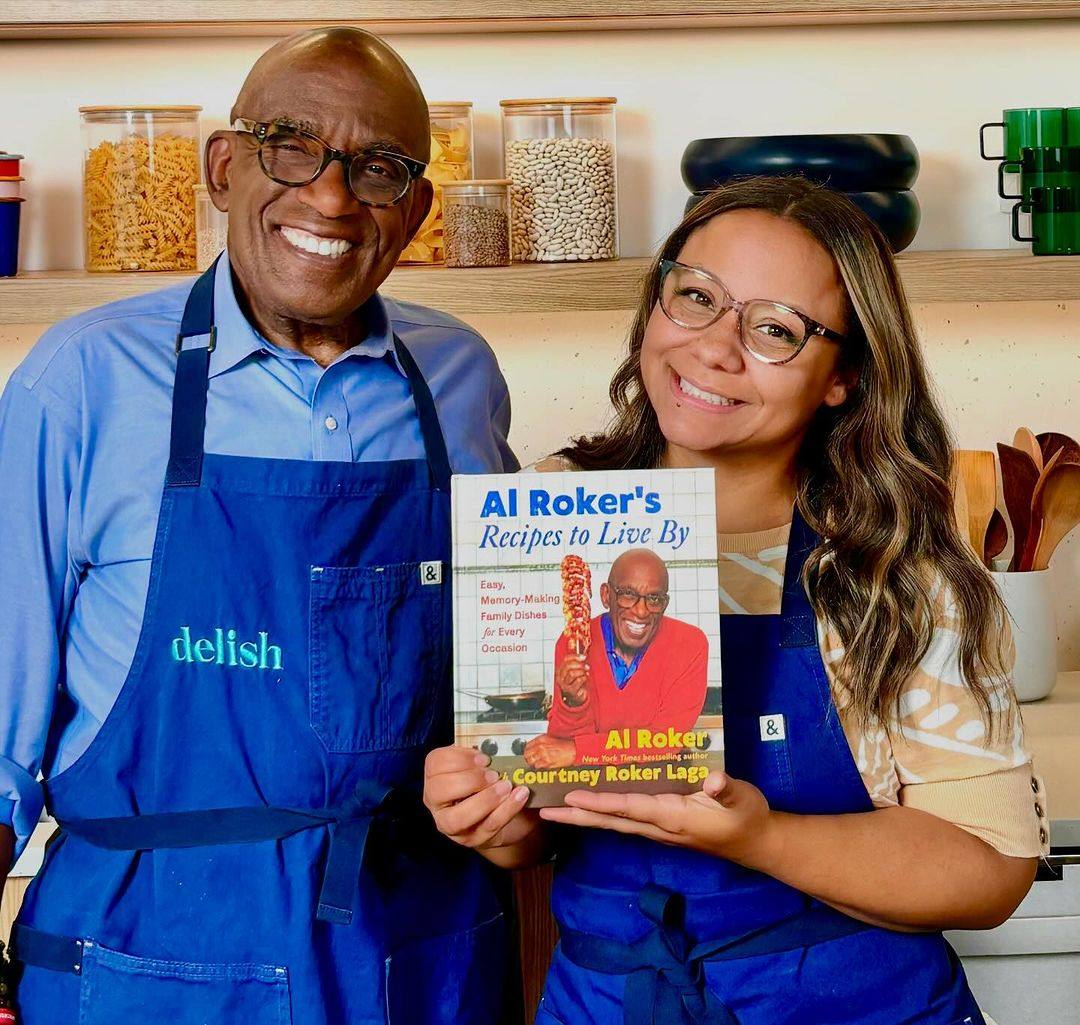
[{"x": 772, "y": 727}]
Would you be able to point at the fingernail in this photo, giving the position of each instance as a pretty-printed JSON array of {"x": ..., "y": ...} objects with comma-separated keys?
[
  {"x": 480, "y": 759},
  {"x": 521, "y": 794},
  {"x": 490, "y": 776},
  {"x": 504, "y": 786}
]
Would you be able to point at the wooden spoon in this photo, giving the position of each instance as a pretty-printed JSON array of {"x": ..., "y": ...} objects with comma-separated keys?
[
  {"x": 997, "y": 536},
  {"x": 1061, "y": 511},
  {"x": 1035, "y": 524},
  {"x": 1051, "y": 441},
  {"x": 1027, "y": 442},
  {"x": 979, "y": 474},
  {"x": 1019, "y": 475},
  {"x": 960, "y": 504}
]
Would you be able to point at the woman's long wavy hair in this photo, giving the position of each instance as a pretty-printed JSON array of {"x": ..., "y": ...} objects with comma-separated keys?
[{"x": 873, "y": 476}]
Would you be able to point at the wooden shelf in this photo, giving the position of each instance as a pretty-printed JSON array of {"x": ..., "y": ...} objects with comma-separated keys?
[
  {"x": 44, "y": 297},
  {"x": 83, "y": 18}
]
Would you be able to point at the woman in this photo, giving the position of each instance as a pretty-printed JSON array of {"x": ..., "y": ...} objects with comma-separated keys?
[{"x": 891, "y": 797}]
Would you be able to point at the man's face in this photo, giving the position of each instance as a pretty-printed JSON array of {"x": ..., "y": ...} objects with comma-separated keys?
[
  {"x": 352, "y": 112},
  {"x": 636, "y": 626}
]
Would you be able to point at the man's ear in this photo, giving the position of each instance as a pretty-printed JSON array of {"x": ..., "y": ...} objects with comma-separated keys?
[
  {"x": 422, "y": 195},
  {"x": 605, "y": 596},
  {"x": 218, "y": 159}
]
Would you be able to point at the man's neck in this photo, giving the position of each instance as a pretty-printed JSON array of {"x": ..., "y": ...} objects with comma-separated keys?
[{"x": 322, "y": 343}]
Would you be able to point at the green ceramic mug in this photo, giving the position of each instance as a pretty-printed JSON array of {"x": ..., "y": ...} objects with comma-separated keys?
[
  {"x": 1044, "y": 166},
  {"x": 1029, "y": 127},
  {"x": 1055, "y": 220}
]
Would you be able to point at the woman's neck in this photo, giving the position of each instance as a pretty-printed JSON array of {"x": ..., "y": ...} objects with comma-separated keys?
[{"x": 752, "y": 494}]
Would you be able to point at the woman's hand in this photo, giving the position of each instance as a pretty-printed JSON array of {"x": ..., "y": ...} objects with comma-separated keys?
[
  {"x": 476, "y": 809},
  {"x": 727, "y": 817}
]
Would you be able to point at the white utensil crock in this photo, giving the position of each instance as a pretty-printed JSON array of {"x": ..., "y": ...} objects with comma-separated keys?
[{"x": 1029, "y": 597}]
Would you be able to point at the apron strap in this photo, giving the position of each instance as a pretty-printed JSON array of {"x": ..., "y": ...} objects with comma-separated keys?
[
  {"x": 798, "y": 626},
  {"x": 666, "y": 984},
  {"x": 191, "y": 383},
  {"x": 350, "y": 825},
  {"x": 434, "y": 440},
  {"x": 46, "y": 950}
]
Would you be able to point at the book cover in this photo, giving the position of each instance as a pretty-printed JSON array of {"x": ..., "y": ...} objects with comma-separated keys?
[{"x": 587, "y": 629}]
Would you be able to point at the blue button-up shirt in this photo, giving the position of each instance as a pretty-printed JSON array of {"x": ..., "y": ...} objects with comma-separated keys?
[
  {"x": 84, "y": 439},
  {"x": 620, "y": 669}
]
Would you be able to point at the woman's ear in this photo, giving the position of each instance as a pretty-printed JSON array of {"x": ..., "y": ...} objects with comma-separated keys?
[
  {"x": 845, "y": 381},
  {"x": 218, "y": 159}
]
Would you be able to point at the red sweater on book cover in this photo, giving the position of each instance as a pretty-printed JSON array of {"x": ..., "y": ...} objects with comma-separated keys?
[{"x": 666, "y": 691}]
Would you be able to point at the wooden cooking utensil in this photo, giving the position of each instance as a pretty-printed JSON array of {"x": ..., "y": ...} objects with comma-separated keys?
[
  {"x": 1036, "y": 523},
  {"x": 1051, "y": 441},
  {"x": 1027, "y": 442},
  {"x": 960, "y": 504},
  {"x": 1019, "y": 475},
  {"x": 979, "y": 473},
  {"x": 997, "y": 536},
  {"x": 1060, "y": 511}
]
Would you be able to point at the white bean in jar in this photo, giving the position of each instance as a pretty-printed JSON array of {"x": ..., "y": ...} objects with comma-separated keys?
[{"x": 562, "y": 199}]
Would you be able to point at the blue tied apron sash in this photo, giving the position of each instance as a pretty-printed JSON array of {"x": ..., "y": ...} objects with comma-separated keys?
[
  {"x": 370, "y": 803},
  {"x": 666, "y": 984}
]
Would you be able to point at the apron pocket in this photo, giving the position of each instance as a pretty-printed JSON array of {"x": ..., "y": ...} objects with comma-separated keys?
[
  {"x": 763, "y": 762},
  {"x": 379, "y": 664},
  {"x": 143, "y": 991},
  {"x": 457, "y": 979}
]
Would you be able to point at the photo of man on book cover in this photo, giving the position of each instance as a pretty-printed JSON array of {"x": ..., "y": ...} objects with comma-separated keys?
[{"x": 635, "y": 668}]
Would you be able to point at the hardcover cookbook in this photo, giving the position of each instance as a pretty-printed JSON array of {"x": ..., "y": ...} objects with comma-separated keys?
[{"x": 587, "y": 629}]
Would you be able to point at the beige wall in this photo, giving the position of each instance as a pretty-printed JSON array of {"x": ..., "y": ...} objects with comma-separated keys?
[
  {"x": 936, "y": 83},
  {"x": 996, "y": 366}
]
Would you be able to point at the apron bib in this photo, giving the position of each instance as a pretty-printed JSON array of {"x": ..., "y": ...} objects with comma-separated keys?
[
  {"x": 657, "y": 935},
  {"x": 244, "y": 841}
]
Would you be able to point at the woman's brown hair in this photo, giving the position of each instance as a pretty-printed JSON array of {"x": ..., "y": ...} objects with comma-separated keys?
[{"x": 873, "y": 475}]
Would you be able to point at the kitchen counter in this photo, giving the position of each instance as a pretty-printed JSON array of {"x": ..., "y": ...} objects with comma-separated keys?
[{"x": 1052, "y": 727}]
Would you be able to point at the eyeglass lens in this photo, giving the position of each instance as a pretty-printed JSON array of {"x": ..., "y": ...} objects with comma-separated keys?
[
  {"x": 695, "y": 301},
  {"x": 294, "y": 158}
]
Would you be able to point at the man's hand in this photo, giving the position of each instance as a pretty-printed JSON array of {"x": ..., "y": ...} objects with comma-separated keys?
[
  {"x": 572, "y": 678},
  {"x": 548, "y": 752}
]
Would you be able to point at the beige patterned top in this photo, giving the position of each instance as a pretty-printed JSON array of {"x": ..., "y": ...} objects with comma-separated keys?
[{"x": 939, "y": 757}]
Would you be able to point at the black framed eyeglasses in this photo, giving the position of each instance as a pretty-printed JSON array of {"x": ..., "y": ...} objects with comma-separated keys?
[
  {"x": 771, "y": 332},
  {"x": 293, "y": 156},
  {"x": 627, "y": 598}
]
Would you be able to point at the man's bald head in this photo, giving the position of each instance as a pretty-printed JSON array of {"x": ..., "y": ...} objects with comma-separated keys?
[
  {"x": 635, "y": 563},
  {"x": 353, "y": 92},
  {"x": 346, "y": 53}
]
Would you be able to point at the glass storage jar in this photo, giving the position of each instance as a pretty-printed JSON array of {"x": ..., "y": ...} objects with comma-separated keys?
[
  {"x": 140, "y": 169},
  {"x": 559, "y": 153},
  {"x": 451, "y": 159},
  {"x": 211, "y": 229},
  {"x": 476, "y": 223}
]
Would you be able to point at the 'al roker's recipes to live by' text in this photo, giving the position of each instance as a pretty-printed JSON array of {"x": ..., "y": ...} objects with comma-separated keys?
[{"x": 587, "y": 629}]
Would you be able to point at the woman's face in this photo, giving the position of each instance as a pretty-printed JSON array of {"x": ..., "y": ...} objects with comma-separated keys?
[{"x": 768, "y": 407}]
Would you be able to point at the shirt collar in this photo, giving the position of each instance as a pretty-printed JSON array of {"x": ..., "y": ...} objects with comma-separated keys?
[{"x": 237, "y": 339}]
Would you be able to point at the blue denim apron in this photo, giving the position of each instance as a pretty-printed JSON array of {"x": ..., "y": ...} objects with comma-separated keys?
[
  {"x": 243, "y": 842},
  {"x": 658, "y": 935}
]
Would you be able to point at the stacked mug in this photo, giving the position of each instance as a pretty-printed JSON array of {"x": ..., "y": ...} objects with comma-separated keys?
[
  {"x": 11, "y": 199},
  {"x": 1039, "y": 168}
]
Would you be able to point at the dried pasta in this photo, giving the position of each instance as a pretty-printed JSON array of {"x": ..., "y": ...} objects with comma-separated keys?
[
  {"x": 139, "y": 204},
  {"x": 449, "y": 162}
]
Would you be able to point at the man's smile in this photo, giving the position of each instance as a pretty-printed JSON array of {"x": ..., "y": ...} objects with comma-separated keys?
[{"x": 316, "y": 245}]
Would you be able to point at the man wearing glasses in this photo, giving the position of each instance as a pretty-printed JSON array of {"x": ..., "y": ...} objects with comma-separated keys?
[
  {"x": 225, "y": 642},
  {"x": 644, "y": 670}
]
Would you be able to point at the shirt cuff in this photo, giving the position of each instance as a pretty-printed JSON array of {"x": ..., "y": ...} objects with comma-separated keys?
[
  {"x": 1006, "y": 809},
  {"x": 21, "y": 803}
]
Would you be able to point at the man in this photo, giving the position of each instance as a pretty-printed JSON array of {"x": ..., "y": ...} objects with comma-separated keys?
[
  {"x": 230, "y": 696},
  {"x": 644, "y": 669}
]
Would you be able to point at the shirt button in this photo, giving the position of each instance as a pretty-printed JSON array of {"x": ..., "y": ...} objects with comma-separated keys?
[
  {"x": 1038, "y": 810},
  {"x": 330, "y": 423},
  {"x": 1043, "y": 837},
  {"x": 1034, "y": 784}
]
